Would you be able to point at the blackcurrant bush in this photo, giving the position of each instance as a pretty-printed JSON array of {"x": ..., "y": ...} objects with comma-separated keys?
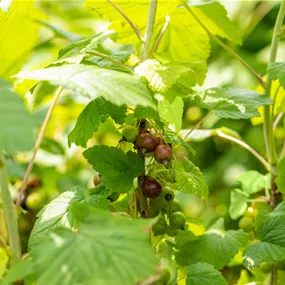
[
  {"x": 151, "y": 188},
  {"x": 97, "y": 179},
  {"x": 177, "y": 220},
  {"x": 163, "y": 153},
  {"x": 159, "y": 228},
  {"x": 146, "y": 142},
  {"x": 246, "y": 224},
  {"x": 130, "y": 133},
  {"x": 113, "y": 197}
]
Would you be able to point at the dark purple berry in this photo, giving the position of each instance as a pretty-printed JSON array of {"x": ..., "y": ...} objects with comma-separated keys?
[
  {"x": 151, "y": 188},
  {"x": 146, "y": 142},
  {"x": 163, "y": 153}
]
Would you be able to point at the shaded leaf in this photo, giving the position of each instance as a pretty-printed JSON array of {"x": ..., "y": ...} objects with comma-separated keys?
[{"x": 238, "y": 203}]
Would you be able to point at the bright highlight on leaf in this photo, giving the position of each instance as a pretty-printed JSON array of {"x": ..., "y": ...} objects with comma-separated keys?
[{"x": 276, "y": 71}]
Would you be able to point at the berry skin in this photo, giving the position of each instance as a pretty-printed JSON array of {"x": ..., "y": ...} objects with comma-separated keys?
[
  {"x": 163, "y": 153},
  {"x": 164, "y": 199},
  {"x": 97, "y": 179},
  {"x": 177, "y": 220},
  {"x": 246, "y": 224},
  {"x": 164, "y": 277},
  {"x": 151, "y": 188},
  {"x": 146, "y": 142},
  {"x": 159, "y": 228},
  {"x": 176, "y": 206},
  {"x": 130, "y": 133},
  {"x": 171, "y": 231},
  {"x": 113, "y": 197}
]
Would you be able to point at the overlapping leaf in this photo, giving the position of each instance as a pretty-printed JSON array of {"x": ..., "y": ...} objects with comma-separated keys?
[
  {"x": 92, "y": 82},
  {"x": 16, "y": 124},
  {"x": 280, "y": 179},
  {"x": 118, "y": 168},
  {"x": 276, "y": 71},
  {"x": 232, "y": 103},
  {"x": 96, "y": 112},
  {"x": 238, "y": 204}
]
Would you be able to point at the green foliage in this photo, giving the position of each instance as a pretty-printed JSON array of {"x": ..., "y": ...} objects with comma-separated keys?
[
  {"x": 189, "y": 179},
  {"x": 16, "y": 124},
  {"x": 96, "y": 112},
  {"x": 232, "y": 102},
  {"x": 213, "y": 248},
  {"x": 238, "y": 204},
  {"x": 204, "y": 274},
  {"x": 276, "y": 71},
  {"x": 280, "y": 179},
  {"x": 99, "y": 251},
  {"x": 119, "y": 169},
  {"x": 92, "y": 82}
]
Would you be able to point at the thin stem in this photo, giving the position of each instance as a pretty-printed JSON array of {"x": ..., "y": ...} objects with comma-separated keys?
[
  {"x": 9, "y": 212},
  {"x": 149, "y": 30},
  {"x": 197, "y": 126},
  {"x": 267, "y": 121},
  {"x": 167, "y": 20},
  {"x": 137, "y": 32},
  {"x": 277, "y": 120},
  {"x": 274, "y": 100},
  {"x": 110, "y": 59},
  {"x": 246, "y": 146},
  {"x": 37, "y": 146},
  {"x": 282, "y": 151},
  {"x": 273, "y": 275},
  {"x": 226, "y": 47}
]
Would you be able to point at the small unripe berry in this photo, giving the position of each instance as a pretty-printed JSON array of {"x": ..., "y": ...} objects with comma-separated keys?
[
  {"x": 151, "y": 188},
  {"x": 146, "y": 142},
  {"x": 246, "y": 224},
  {"x": 159, "y": 228},
  {"x": 177, "y": 220},
  {"x": 163, "y": 153},
  {"x": 130, "y": 133}
]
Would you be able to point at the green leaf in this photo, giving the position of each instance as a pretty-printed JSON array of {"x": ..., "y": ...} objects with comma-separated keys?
[
  {"x": 171, "y": 113},
  {"x": 214, "y": 16},
  {"x": 197, "y": 135},
  {"x": 96, "y": 112},
  {"x": 252, "y": 181},
  {"x": 91, "y": 81},
  {"x": 280, "y": 179},
  {"x": 118, "y": 168},
  {"x": 145, "y": 112},
  {"x": 161, "y": 76},
  {"x": 56, "y": 213},
  {"x": 276, "y": 71},
  {"x": 271, "y": 232},
  {"x": 173, "y": 138},
  {"x": 232, "y": 103},
  {"x": 238, "y": 203},
  {"x": 52, "y": 146},
  {"x": 16, "y": 124},
  {"x": 212, "y": 248},
  {"x": 204, "y": 274},
  {"x": 104, "y": 250},
  {"x": 189, "y": 179}
]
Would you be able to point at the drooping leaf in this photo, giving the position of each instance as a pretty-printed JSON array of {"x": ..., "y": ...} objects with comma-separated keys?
[
  {"x": 91, "y": 81},
  {"x": 96, "y": 112},
  {"x": 276, "y": 71},
  {"x": 204, "y": 274},
  {"x": 56, "y": 213},
  {"x": 280, "y": 179},
  {"x": 16, "y": 124},
  {"x": 212, "y": 248},
  {"x": 189, "y": 179},
  {"x": 271, "y": 233},
  {"x": 232, "y": 103},
  {"x": 238, "y": 203},
  {"x": 118, "y": 168},
  {"x": 145, "y": 112},
  {"x": 252, "y": 181},
  {"x": 172, "y": 113},
  {"x": 104, "y": 250}
]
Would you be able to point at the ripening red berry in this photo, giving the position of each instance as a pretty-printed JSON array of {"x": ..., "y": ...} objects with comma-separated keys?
[
  {"x": 146, "y": 142},
  {"x": 97, "y": 179},
  {"x": 151, "y": 188},
  {"x": 163, "y": 153}
]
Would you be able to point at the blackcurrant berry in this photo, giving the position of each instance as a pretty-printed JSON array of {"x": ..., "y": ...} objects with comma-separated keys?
[
  {"x": 177, "y": 220},
  {"x": 146, "y": 142},
  {"x": 97, "y": 179},
  {"x": 151, "y": 188},
  {"x": 164, "y": 199},
  {"x": 163, "y": 153},
  {"x": 176, "y": 206},
  {"x": 164, "y": 277},
  {"x": 246, "y": 224},
  {"x": 130, "y": 133},
  {"x": 159, "y": 228},
  {"x": 171, "y": 231}
]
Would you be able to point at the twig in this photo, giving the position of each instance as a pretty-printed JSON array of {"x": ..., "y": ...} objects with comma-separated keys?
[
  {"x": 3, "y": 242},
  {"x": 246, "y": 146},
  {"x": 277, "y": 120},
  {"x": 167, "y": 20},
  {"x": 37, "y": 146},
  {"x": 110, "y": 59},
  {"x": 226, "y": 47},
  {"x": 197, "y": 126},
  {"x": 137, "y": 32},
  {"x": 273, "y": 275}
]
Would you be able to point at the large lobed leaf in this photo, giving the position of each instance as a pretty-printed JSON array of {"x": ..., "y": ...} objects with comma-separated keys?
[
  {"x": 118, "y": 168},
  {"x": 96, "y": 112},
  {"x": 16, "y": 124},
  {"x": 103, "y": 250},
  {"x": 91, "y": 81},
  {"x": 232, "y": 103}
]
